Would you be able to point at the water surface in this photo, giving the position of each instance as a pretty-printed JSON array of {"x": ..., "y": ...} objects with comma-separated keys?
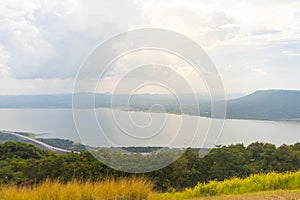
[{"x": 120, "y": 128}]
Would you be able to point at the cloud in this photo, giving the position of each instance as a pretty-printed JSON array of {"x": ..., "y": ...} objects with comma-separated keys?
[
  {"x": 208, "y": 27},
  {"x": 290, "y": 53},
  {"x": 265, "y": 31},
  {"x": 48, "y": 40},
  {"x": 4, "y": 57},
  {"x": 259, "y": 71}
]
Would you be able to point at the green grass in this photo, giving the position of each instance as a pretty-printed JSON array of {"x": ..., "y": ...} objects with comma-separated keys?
[
  {"x": 254, "y": 183},
  {"x": 274, "y": 194},
  {"x": 271, "y": 195}
]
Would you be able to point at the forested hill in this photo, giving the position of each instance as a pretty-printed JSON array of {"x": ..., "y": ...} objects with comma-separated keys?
[
  {"x": 20, "y": 162},
  {"x": 266, "y": 105}
]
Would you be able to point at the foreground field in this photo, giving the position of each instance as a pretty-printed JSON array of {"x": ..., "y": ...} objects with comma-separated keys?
[
  {"x": 124, "y": 189},
  {"x": 254, "y": 183},
  {"x": 265, "y": 186},
  {"x": 269, "y": 195}
]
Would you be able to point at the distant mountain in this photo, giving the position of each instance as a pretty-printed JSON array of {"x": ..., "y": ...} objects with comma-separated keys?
[
  {"x": 260, "y": 105},
  {"x": 48, "y": 101},
  {"x": 36, "y": 101},
  {"x": 266, "y": 105},
  {"x": 101, "y": 100}
]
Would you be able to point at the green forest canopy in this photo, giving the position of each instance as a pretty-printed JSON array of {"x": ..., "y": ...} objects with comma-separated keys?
[{"x": 20, "y": 162}]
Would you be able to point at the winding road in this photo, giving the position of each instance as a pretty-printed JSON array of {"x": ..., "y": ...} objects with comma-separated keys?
[{"x": 37, "y": 142}]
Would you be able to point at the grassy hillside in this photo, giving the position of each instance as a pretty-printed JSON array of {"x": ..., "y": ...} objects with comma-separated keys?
[
  {"x": 274, "y": 185},
  {"x": 269, "y": 195},
  {"x": 254, "y": 183}
]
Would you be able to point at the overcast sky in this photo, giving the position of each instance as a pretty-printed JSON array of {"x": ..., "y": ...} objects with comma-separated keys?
[{"x": 254, "y": 44}]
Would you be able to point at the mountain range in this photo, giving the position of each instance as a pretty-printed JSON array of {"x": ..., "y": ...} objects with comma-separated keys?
[
  {"x": 266, "y": 105},
  {"x": 259, "y": 105}
]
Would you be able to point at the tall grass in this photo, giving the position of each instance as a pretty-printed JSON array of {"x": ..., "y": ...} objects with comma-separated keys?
[
  {"x": 123, "y": 189},
  {"x": 254, "y": 183},
  {"x": 140, "y": 189}
]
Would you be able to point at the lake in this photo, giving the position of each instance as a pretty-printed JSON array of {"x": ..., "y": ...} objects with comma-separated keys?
[{"x": 112, "y": 127}]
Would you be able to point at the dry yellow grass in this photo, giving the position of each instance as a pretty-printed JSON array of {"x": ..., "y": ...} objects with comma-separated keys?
[
  {"x": 141, "y": 189},
  {"x": 123, "y": 189}
]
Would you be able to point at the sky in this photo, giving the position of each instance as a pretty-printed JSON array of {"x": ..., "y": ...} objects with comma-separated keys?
[{"x": 254, "y": 44}]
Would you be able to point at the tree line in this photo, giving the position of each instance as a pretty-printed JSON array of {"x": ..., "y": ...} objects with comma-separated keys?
[{"x": 21, "y": 162}]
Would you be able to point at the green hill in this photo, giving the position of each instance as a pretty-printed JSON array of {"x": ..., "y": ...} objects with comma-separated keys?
[{"x": 266, "y": 105}]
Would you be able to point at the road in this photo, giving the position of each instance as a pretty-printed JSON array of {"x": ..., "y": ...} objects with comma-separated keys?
[{"x": 46, "y": 146}]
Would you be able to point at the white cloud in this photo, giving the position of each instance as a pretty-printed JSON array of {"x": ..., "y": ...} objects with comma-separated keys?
[
  {"x": 290, "y": 53},
  {"x": 4, "y": 56},
  {"x": 259, "y": 72},
  {"x": 228, "y": 22},
  {"x": 48, "y": 40},
  {"x": 206, "y": 26}
]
